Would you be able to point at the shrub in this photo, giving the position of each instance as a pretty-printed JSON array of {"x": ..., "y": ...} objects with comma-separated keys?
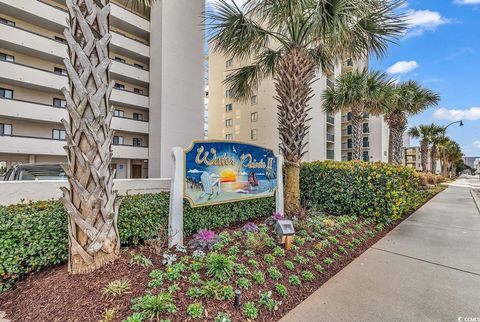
[
  {"x": 195, "y": 310},
  {"x": 281, "y": 290},
  {"x": 116, "y": 287},
  {"x": 358, "y": 188},
  {"x": 152, "y": 306},
  {"x": 249, "y": 310},
  {"x": 204, "y": 239},
  {"x": 268, "y": 302},
  {"x": 34, "y": 235}
]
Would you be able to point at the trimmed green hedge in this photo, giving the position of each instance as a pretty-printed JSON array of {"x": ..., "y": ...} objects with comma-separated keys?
[
  {"x": 34, "y": 235},
  {"x": 358, "y": 188}
]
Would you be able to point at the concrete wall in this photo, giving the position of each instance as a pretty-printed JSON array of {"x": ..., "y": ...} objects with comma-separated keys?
[
  {"x": 13, "y": 192},
  {"x": 177, "y": 88}
]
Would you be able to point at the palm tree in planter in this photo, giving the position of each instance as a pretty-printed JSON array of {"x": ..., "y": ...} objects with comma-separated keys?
[
  {"x": 90, "y": 202},
  {"x": 360, "y": 91},
  {"x": 400, "y": 102},
  {"x": 425, "y": 133},
  {"x": 292, "y": 41}
]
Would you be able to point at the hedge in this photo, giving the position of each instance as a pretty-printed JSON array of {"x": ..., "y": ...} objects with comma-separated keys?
[
  {"x": 34, "y": 235},
  {"x": 358, "y": 188}
]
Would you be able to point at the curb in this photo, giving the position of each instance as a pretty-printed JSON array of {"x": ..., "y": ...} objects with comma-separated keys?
[{"x": 476, "y": 197}]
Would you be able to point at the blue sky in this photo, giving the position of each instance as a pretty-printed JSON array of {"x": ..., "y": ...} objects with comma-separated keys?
[{"x": 441, "y": 50}]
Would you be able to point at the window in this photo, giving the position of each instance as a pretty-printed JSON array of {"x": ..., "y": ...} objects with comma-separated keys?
[
  {"x": 366, "y": 144},
  {"x": 120, "y": 59},
  {"x": 3, "y": 167},
  {"x": 138, "y": 65},
  {"x": 229, "y": 63},
  {"x": 349, "y": 129},
  {"x": 118, "y": 113},
  {"x": 6, "y": 93},
  {"x": 228, "y": 93},
  {"x": 228, "y": 108},
  {"x": 254, "y": 116},
  {"x": 349, "y": 143},
  {"x": 60, "y": 71},
  {"x": 7, "y": 22},
  {"x": 349, "y": 156},
  {"x": 228, "y": 137},
  {"x": 253, "y": 134},
  {"x": 366, "y": 157},
  {"x": 253, "y": 100},
  {"x": 138, "y": 117},
  {"x": 58, "y": 102},
  {"x": 119, "y": 86},
  {"x": 60, "y": 39},
  {"x": 365, "y": 128},
  {"x": 60, "y": 135},
  {"x": 137, "y": 142},
  {"x": 6, "y": 57},
  {"x": 118, "y": 140},
  {"x": 138, "y": 91},
  {"x": 5, "y": 129},
  {"x": 228, "y": 122}
]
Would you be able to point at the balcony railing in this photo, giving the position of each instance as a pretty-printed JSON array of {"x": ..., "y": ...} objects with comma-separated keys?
[
  {"x": 330, "y": 137},
  {"x": 330, "y": 119}
]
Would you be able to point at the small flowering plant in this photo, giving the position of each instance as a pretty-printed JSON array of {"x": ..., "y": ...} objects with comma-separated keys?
[
  {"x": 204, "y": 239},
  {"x": 272, "y": 220},
  {"x": 169, "y": 259},
  {"x": 250, "y": 228}
]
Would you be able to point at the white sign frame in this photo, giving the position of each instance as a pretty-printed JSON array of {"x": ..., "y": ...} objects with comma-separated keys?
[{"x": 175, "y": 213}]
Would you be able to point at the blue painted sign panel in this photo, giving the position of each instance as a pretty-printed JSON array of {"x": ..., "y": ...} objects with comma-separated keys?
[{"x": 226, "y": 171}]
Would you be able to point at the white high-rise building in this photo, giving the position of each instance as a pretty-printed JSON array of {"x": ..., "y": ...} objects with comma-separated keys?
[
  {"x": 256, "y": 120},
  {"x": 158, "y": 69}
]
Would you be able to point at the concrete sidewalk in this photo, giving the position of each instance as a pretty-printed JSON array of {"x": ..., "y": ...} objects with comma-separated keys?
[{"x": 426, "y": 269}]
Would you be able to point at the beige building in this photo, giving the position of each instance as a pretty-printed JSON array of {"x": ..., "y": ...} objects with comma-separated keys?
[
  {"x": 159, "y": 83},
  {"x": 256, "y": 120}
]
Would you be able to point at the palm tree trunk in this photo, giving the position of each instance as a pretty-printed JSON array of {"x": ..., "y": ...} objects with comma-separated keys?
[
  {"x": 399, "y": 155},
  {"x": 433, "y": 158},
  {"x": 357, "y": 124},
  {"x": 91, "y": 201},
  {"x": 424, "y": 154},
  {"x": 293, "y": 79}
]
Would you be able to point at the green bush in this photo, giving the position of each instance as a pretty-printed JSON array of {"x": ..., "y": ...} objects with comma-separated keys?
[
  {"x": 358, "y": 188},
  {"x": 34, "y": 235}
]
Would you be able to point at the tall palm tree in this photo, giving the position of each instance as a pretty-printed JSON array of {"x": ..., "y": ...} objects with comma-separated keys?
[
  {"x": 360, "y": 91},
  {"x": 90, "y": 201},
  {"x": 400, "y": 102},
  {"x": 449, "y": 152},
  {"x": 291, "y": 41},
  {"x": 425, "y": 133}
]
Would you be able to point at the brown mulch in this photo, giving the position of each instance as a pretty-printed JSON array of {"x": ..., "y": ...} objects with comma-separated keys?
[{"x": 54, "y": 295}]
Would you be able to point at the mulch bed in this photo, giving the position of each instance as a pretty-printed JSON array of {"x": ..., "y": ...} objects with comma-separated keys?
[{"x": 54, "y": 295}]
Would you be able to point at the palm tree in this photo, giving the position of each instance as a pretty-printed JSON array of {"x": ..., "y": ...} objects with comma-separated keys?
[
  {"x": 400, "y": 102},
  {"x": 359, "y": 91},
  {"x": 425, "y": 133},
  {"x": 449, "y": 152},
  {"x": 291, "y": 41},
  {"x": 90, "y": 201}
]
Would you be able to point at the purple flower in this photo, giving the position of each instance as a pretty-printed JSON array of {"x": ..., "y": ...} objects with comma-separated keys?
[
  {"x": 250, "y": 227},
  {"x": 204, "y": 238},
  {"x": 272, "y": 220}
]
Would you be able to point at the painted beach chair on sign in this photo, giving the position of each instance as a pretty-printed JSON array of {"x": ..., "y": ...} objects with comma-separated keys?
[{"x": 209, "y": 184}]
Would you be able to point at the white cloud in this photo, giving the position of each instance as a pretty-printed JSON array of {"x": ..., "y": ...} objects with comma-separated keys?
[
  {"x": 471, "y": 114},
  {"x": 467, "y": 1},
  {"x": 420, "y": 21},
  {"x": 476, "y": 144},
  {"x": 402, "y": 67}
]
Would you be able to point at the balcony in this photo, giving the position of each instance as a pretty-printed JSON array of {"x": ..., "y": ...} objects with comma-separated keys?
[
  {"x": 35, "y": 78},
  {"x": 47, "y": 113},
  {"x": 346, "y": 118},
  {"x": 25, "y": 41},
  {"x": 330, "y": 154},
  {"x": 128, "y": 73},
  {"x": 31, "y": 77},
  {"x": 46, "y": 146},
  {"x": 346, "y": 132},
  {"x": 54, "y": 18},
  {"x": 330, "y": 120},
  {"x": 330, "y": 137},
  {"x": 366, "y": 144}
]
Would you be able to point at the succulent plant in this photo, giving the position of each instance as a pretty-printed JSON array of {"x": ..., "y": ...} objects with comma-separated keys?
[
  {"x": 272, "y": 220},
  {"x": 250, "y": 227},
  {"x": 204, "y": 239}
]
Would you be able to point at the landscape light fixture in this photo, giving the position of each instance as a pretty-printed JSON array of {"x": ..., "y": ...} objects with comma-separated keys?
[
  {"x": 236, "y": 303},
  {"x": 285, "y": 231},
  {"x": 460, "y": 124}
]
